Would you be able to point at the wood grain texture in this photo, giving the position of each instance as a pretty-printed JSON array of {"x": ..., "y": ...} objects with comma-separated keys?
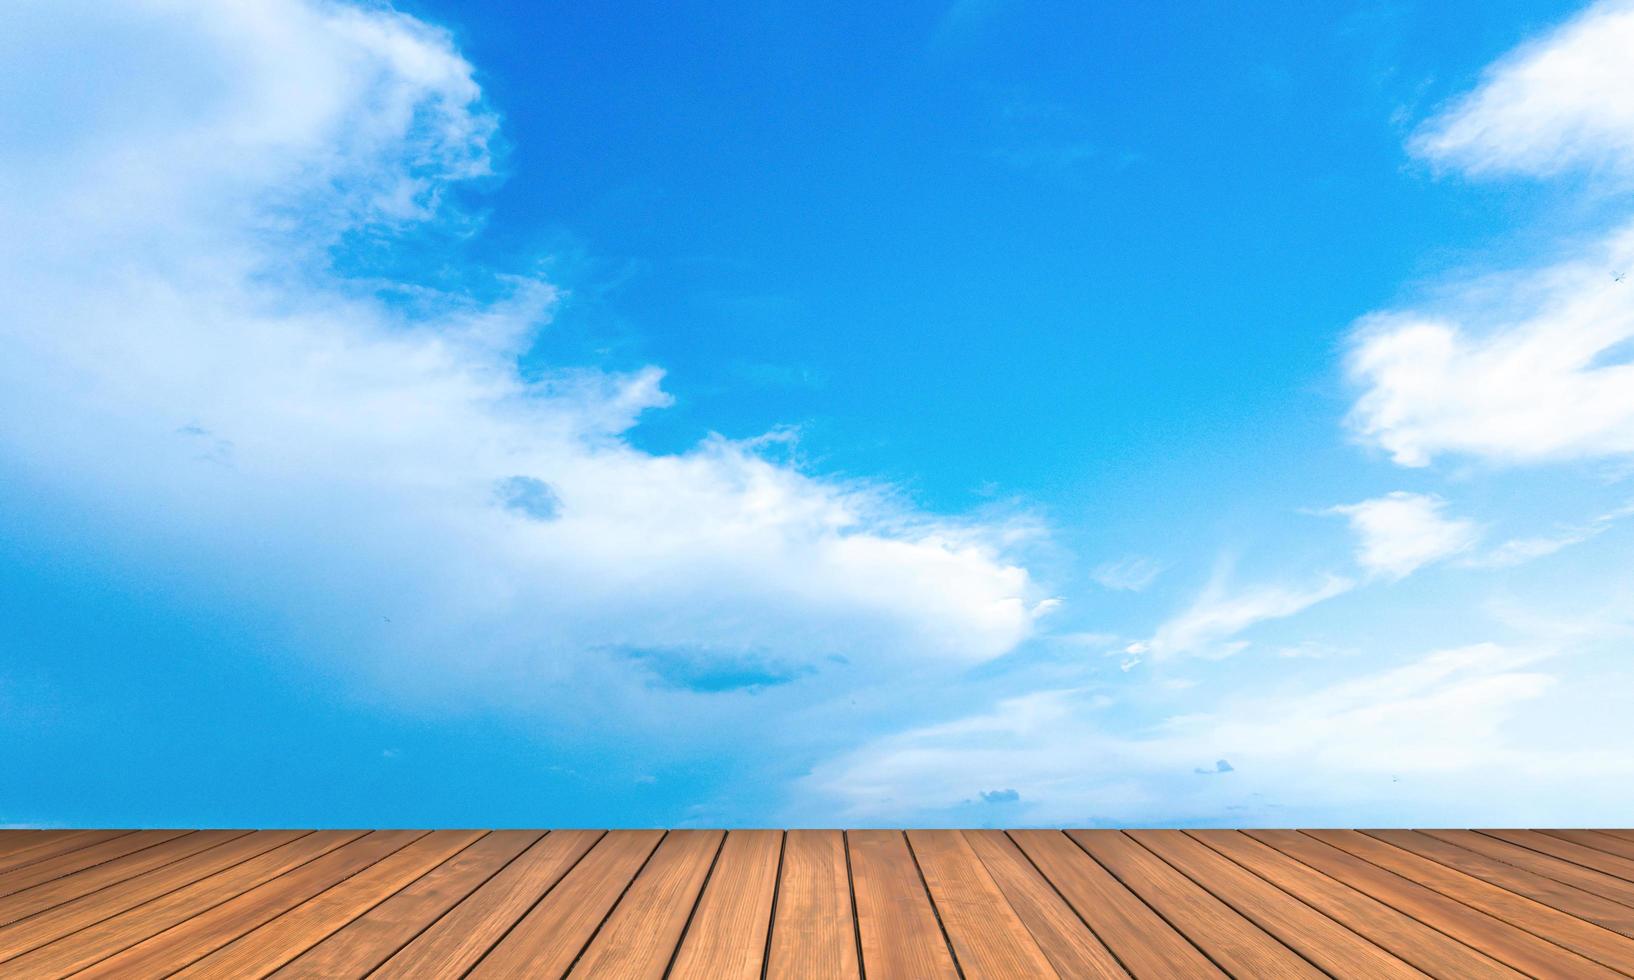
[
  {"x": 52, "y": 868},
  {"x": 550, "y": 937},
  {"x": 53, "y": 893},
  {"x": 1144, "y": 943},
  {"x": 1573, "y": 901},
  {"x": 262, "y": 950},
  {"x": 988, "y": 937},
  {"x": 181, "y": 885},
  {"x": 727, "y": 937},
  {"x": 1519, "y": 949},
  {"x": 1065, "y": 940},
  {"x": 641, "y": 934},
  {"x": 460, "y": 939},
  {"x": 1431, "y": 951},
  {"x": 880, "y": 904},
  {"x": 901, "y": 939},
  {"x": 1237, "y": 945},
  {"x": 1324, "y": 942},
  {"x": 1597, "y": 840},
  {"x": 32, "y": 853},
  {"x": 814, "y": 936},
  {"x": 1515, "y": 851},
  {"x": 371, "y": 939},
  {"x": 203, "y": 932},
  {"x": 1589, "y": 858},
  {"x": 1566, "y": 931}
]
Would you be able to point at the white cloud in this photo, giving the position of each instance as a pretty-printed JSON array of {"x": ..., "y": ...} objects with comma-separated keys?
[
  {"x": 1132, "y": 574},
  {"x": 1519, "y": 370},
  {"x": 1518, "y": 551},
  {"x": 1210, "y": 624},
  {"x": 180, "y": 356},
  {"x": 1402, "y": 532},
  {"x": 1549, "y": 105},
  {"x": 1533, "y": 365},
  {"x": 1427, "y": 737}
]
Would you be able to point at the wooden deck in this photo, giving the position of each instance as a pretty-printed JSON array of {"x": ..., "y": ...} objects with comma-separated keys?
[{"x": 870, "y": 903}]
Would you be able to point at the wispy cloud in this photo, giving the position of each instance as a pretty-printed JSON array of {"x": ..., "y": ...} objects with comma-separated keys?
[
  {"x": 1400, "y": 533},
  {"x": 1211, "y": 624},
  {"x": 1132, "y": 574},
  {"x": 1518, "y": 551},
  {"x": 1325, "y": 749}
]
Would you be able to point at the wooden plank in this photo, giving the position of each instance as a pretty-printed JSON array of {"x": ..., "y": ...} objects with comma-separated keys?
[
  {"x": 988, "y": 937},
  {"x": 643, "y": 933},
  {"x": 455, "y": 942},
  {"x": 187, "y": 940},
  {"x": 1142, "y": 942},
  {"x": 53, "y": 846},
  {"x": 30, "y": 933},
  {"x": 110, "y": 935},
  {"x": 1407, "y": 938},
  {"x": 265, "y": 949},
  {"x": 1066, "y": 941},
  {"x": 1326, "y": 943},
  {"x": 1234, "y": 943},
  {"x": 1570, "y": 932},
  {"x": 39, "y": 872},
  {"x": 1599, "y": 840},
  {"x": 814, "y": 936},
  {"x": 1499, "y": 939},
  {"x": 1615, "y": 873},
  {"x": 371, "y": 939},
  {"x": 1573, "y": 901},
  {"x": 1566, "y": 872},
  {"x": 14, "y": 841},
  {"x": 897, "y": 924},
  {"x": 53, "y": 893},
  {"x": 727, "y": 937},
  {"x": 550, "y": 937}
]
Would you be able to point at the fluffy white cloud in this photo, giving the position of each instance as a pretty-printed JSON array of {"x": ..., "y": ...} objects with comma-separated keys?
[
  {"x": 1429, "y": 735},
  {"x": 1550, "y": 105},
  {"x": 183, "y": 363},
  {"x": 1220, "y": 612},
  {"x": 1402, "y": 532},
  {"x": 1532, "y": 365},
  {"x": 1519, "y": 370}
]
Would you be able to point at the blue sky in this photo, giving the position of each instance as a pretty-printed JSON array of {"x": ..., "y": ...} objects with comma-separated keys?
[{"x": 986, "y": 413}]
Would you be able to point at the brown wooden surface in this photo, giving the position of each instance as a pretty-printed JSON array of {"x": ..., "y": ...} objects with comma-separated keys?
[
  {"x": 814, "y": 932},
  {"x": 804, "y": 904}
]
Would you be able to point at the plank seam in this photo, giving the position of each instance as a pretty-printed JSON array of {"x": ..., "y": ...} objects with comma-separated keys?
[
  {"x": 777, "y": 889},
  {"x": 1546, "y": 854},
  {"x": 185, "y": 884},
  {"x": 856, "y": 920},
  {"x": 323, "y": 938},
  {"x": 696, "y": 901},
  {"x": 946, "y": 939},
  {"x": 616, "y": 902},
  {"x": 46, "y": 857},
  {"x": 88, "y": 867},
  {"x": 526, "y": 912},
  {"x": 120, "y": 881},
  {"x": 1366, "y": 939},
  {"x": 418, "y": 932},
  {"x": 234, "y": 939},
  {"x": 1228, "y": 904},
  {"x": 1068, "y": 903},
  {"x": 1142, "y": 899},
  {"x": 1488, "y": 954}
]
